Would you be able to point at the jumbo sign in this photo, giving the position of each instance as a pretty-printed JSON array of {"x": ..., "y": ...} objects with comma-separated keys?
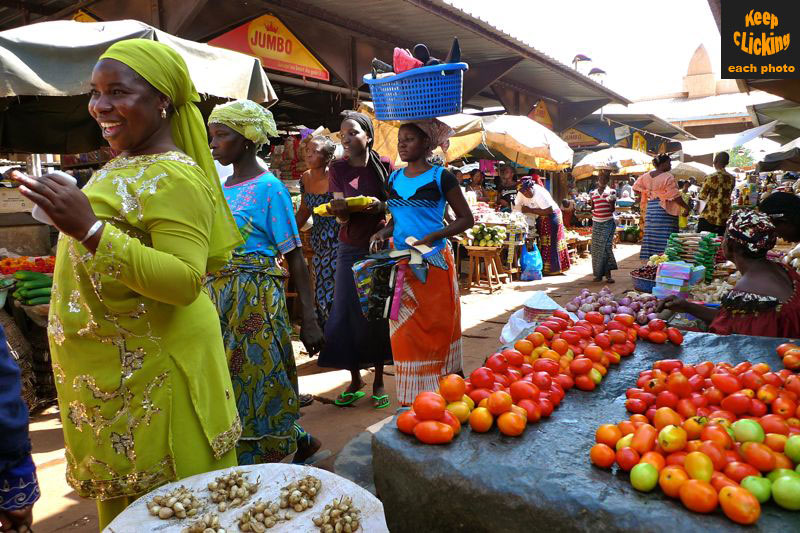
[{"x": 270, "y": 40}]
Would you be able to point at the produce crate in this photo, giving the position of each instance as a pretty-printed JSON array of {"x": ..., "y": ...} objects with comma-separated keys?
[{"x": 642, "y": 284}]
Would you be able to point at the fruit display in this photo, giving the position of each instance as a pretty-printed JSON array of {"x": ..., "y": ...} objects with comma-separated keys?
[
  {"x": 657, "y": 332},
  {"x": 519, "y": 386},
  {"x": 646, "y": 272},
  {"x": 712, "y": 435},
  {"x": 790, "y": 354},
  {"x": 641, "y": 306},
  {"x": 656, "y": 260},
  {"x": 10, "y": 265},
  {"x": 483, "y": 235},
  {"x": 32, "y": 288}
]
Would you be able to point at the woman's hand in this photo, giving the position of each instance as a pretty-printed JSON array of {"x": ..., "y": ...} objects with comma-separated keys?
[
  {"x": 673, "y": 303},
  {"x": 427, "y": 240},
  {"x": 375, "y": 208},
  {"x": 378, "y": 241},
  {"x": 311, "y": 335},
  {"x": 61, "y": 200},
  {"x": 339, "y": 208}
]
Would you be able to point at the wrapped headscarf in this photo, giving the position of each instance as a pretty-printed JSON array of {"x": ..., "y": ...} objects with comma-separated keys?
[
  {"x": 248, "y": 119},
  {"x": 373, "y": 158},
  {"x": 527, "y": 182},
  {"x": 438, "y": 133},
  {"x": 753, "y": 230},
  {"x": 166, "y": 70}
]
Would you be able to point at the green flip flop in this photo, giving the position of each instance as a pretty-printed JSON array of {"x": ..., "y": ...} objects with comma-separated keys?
[
  {"x": 381, "y": 402},
  {"x": 349, "y": 398}
]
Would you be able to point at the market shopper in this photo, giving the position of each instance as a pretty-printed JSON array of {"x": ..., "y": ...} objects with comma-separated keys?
[
  {"x": 765, "y": 302},
  {"x": 663, "y": 203},
  {"x": 683, "y": 219},
  {"x": 543, "y": 213},
  {"x": 351, "y": 341},
  {"x": 314, "y": 191},
  {"x": 249, "y": 292},
  {"x": 19, "y": 488},
  {"x": 426, "y": 340},
  {"x": 783, "y": 209},
  {"x": 603, "y": 200},
  {"x": 138, "y": 361},
  {"x": 716, "y": 192}
]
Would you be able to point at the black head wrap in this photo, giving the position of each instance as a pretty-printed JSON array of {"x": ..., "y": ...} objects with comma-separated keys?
[
  {"x": 373, "y": 158},
  {"x": 781, "y": 205}
]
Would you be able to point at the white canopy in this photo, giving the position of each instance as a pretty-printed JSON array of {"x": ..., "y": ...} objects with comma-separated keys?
[{"x": 620, "y": 160}]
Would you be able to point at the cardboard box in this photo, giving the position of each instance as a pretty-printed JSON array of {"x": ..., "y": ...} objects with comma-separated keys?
[{"x": 12, "y": 201}]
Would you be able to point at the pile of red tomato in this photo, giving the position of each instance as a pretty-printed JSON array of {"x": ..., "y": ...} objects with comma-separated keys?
[
  {"x": 11, "y": 265},
  {"x": 790, "y": 354},
  {"x": 657, "y": 332},
  {"x": 708, "y": 434},
  {"x": 519, "y": 386}
]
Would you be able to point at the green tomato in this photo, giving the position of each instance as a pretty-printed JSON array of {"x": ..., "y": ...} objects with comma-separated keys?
[
  {"x": 644, "y": 477},
  {"x": 760, "y": 487},
  {"x": 786, "y": 492},
  {"x": 792, "y": 449},
  {"x": 781, "y": 472},
  {"x": 746, "y": 430}
]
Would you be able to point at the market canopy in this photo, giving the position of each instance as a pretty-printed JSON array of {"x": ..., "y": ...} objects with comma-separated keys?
[
  {"x": 45, "y": 70},
  {"x": 622, "y": 160},
  {"x": 787, "y": 158},
  {"x": 691, "y": 169},
  {"x": 526, "y": 142},
  {"x": 723, "y": 143}
]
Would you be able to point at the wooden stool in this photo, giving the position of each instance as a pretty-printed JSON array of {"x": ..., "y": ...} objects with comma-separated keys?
[{"x": 492, "y": 274}]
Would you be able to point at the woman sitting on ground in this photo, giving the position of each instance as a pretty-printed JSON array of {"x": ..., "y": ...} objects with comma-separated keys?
[{"x": 766, "y": 300}]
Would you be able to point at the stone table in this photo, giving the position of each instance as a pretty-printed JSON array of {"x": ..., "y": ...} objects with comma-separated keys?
[{"x": 543, "y": 480}]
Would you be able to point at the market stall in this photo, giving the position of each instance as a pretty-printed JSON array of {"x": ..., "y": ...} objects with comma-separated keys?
[{"x": 476, "y": 483}]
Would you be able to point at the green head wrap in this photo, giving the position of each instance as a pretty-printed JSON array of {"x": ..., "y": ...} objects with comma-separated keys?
[
  {"x": 246, "y": 118},
  {"x": 166, "y": 70}
]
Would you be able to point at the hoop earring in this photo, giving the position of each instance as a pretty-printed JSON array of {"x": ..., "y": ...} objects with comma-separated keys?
[{"x": 163, "y": 113}]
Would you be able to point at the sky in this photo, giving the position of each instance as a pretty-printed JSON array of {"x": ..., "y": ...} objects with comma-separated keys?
[{"x": 643, "y": 46}]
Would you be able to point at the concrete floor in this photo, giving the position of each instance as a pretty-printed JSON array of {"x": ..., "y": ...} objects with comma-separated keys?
[{"x": 483, "y": 317}]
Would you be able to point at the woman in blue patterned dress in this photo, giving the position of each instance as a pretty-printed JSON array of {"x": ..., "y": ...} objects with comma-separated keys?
[
  {"x": 324, "y": 232},
  {"x": 249, "y": 291}
]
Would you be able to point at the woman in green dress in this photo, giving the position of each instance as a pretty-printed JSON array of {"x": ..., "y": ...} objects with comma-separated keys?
[
  {"x": 143, "y": 386},
  {"x": 249, "y": 291}
]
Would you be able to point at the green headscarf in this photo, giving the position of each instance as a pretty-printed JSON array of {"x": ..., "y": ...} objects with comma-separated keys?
[
  {"x": 166, "y": 70},
  {"x": 246, "y": 118}
]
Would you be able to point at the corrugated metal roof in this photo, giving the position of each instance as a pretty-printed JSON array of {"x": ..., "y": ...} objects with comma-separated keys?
[
  {"x": 648, "y": 122},
  {"x": 435, "y": 23},
  {"x": 11, "y": 17}
]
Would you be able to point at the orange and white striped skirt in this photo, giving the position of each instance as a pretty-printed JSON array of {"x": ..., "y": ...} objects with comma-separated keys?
[{"x": 426, "y": 337}]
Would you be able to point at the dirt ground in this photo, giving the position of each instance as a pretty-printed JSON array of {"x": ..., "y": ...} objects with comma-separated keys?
[{"x": 483, "y": 316}]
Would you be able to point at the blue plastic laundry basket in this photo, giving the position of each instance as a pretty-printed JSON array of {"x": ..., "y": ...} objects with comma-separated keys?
[{"x": 424, "y": 92}]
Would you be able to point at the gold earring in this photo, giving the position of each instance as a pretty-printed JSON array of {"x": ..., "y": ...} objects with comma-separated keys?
[{"x": 163, "y": 113}]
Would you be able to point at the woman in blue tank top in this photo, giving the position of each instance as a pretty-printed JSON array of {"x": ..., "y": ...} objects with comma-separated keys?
[{"x": 426, "y": 338}]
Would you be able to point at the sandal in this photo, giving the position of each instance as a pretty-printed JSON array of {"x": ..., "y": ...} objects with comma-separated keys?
[
  {"x": 381, "y": 402},
  {"x": 597, "y": 280},
  {"x": 609, "y": 280},
  {"x": 306, "y": 400},
  {"x": 349, "y": 398}
]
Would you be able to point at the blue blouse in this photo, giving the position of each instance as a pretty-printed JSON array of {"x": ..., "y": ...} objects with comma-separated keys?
[
  {"x": 263, "y": 210},
  {"x": 418, "y": 204}
]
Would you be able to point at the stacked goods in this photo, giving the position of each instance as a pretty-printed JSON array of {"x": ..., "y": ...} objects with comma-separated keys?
[
  {"x": 483, "y": 235},
  {"x": 695, "y": 248},
  {"x": 519, "y": 386},
  {"x": 33, "y": 288},
  {"x": 287, "y": 159},
  {"x": 11, "y": 265},
  {"x": 676, "y": 278},
  {"x": 710, "y": 435}
]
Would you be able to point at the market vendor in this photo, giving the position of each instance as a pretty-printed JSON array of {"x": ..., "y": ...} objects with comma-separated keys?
[
  {"x": 544, "y": 214},
  {"x": 477, "y": 185},
  {"x": 507, "y": 188},
  {"x": 765, "y": 302},
  {"x": 783, "y": 209}
]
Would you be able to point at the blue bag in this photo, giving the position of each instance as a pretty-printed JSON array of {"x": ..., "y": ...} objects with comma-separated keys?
[{"x": 531, "y": 263}]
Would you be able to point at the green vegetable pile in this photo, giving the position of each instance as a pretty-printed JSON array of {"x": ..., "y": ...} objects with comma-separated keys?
[
  {"x": 33, "y": 288},
  {"x": 483, "y": 235}
]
